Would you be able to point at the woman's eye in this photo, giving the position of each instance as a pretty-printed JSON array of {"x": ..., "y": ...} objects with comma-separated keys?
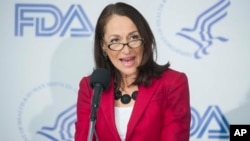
[
  {"x": 134, "y": 37},
  {"x": 114, "y": 40}
]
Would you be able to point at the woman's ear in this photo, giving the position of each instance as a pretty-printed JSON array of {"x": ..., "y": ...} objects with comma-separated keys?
[
  {"x": 102, "y": 45},
  {"x": 104, "y": 53}
]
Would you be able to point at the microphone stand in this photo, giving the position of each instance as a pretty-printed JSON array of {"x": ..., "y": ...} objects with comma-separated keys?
[
  {"x": 98, "y": 88},
  {"x": 91, "y": 130}
]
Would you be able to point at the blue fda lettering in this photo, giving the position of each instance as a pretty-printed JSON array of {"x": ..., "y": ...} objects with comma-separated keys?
[
  {"x": 201, "y": 124},
  {"x": 240, "y": 132},
  {"x": 48, "y": 20}
]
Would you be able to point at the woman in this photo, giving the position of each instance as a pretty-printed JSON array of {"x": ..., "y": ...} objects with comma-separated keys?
[{"x": 144, "y": 101}]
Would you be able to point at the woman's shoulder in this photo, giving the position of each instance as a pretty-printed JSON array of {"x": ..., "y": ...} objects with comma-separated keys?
[
  {"x": 171, "y": 71},
  {"x": 85, "y": 80},
  {"x": 173, "y": 75}
]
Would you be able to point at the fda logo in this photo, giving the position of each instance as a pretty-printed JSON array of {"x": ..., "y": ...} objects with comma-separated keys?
[
  {"x": 239, "y": 132},
  {"x": 47, "y": 20}
]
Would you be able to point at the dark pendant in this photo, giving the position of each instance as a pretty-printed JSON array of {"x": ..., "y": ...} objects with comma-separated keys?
[
  {"x": 126, "y": 98},
  {"x": 118, "y": 95},
  {"x": 134, "y": 94}
]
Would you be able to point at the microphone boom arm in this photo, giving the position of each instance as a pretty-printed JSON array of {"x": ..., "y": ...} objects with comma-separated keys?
[{"x": 98, "y": 88}]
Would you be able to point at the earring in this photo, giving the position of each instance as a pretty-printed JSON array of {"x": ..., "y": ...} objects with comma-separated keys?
[{"x": 104, "y": 53}]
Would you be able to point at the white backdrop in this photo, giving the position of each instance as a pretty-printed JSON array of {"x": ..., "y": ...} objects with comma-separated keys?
[{"x": 46, "y": 48}]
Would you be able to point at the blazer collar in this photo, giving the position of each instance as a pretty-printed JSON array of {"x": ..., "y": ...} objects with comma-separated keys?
[
  {"x": 142, "y": 100},
  {"x": 107, "y": 107}
]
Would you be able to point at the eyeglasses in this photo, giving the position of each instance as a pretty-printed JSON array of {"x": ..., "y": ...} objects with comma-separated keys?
[{"x": 132, "y": 44}]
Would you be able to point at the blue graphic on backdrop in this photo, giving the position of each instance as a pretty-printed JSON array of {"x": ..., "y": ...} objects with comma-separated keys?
[
  {"x": 47, "y": 20},
  {"x": 200, "y": 35},
  {"x": 201, "y": 125},
  {"x": 63, "y": 125},
  {"x": 35, "y": 114}
]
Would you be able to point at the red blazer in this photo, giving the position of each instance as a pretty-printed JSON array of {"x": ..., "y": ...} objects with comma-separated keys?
[{"x": 161, "y": 111}]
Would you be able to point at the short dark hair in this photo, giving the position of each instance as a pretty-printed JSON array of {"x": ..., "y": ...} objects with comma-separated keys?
[{"x": 148, "y": 67}]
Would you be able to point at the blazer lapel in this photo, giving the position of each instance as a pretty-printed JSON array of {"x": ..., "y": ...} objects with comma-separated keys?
[
  {"x": 142, "y": 100},
  {"x": 107, "y": 107}
]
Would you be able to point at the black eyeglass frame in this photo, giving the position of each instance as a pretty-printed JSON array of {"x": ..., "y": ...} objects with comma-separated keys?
[{"x": 142, "y": 42}]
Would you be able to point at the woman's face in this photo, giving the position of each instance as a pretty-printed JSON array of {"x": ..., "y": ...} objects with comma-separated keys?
[{"x": 120, "y": 29}]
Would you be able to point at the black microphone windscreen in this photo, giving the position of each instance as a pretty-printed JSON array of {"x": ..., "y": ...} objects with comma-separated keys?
[{"x": 101, "y": 76}]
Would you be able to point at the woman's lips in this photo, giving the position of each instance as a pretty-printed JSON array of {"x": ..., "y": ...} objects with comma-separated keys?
[{"x": 127, "y": 61}]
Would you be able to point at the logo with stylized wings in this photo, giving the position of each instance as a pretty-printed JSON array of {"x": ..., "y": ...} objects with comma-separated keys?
[
  {"x": 200, "y": 35},
  {"x": 61, "y": 130},
  {"x": 48, "y": 112}
]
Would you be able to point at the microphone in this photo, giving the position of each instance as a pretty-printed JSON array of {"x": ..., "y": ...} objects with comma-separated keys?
[{"x": 99, "y": 81}]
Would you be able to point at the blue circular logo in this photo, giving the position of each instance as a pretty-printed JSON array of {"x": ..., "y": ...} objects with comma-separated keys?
[
  {"x": 48, "y": 111},
  {"x": 191, "y": 33}
]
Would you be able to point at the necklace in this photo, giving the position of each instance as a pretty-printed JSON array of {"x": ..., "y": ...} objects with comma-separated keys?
[{"x": 126, "y": 98}]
